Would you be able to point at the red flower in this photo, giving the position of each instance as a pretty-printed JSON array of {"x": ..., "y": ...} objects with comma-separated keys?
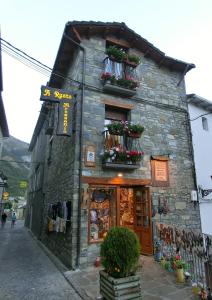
[{"x": 106, "y": 75}]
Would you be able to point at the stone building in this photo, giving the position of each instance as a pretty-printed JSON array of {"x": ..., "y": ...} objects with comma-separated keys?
[{"x": 95, "y": 179}]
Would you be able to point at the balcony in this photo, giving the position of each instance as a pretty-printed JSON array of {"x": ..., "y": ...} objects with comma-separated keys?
[
  {"x": 118, "y": 90},
  {"x": 121, "y": 151},
  {"x": 119, "y": 77}
]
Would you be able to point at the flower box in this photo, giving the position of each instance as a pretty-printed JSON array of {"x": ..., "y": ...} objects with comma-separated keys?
[
  {"x": 115, "y": 89},
  {"x": 135, "y": 135},
  {"x": 120, "y": 288},
  {"x": 120, "y": 165}
]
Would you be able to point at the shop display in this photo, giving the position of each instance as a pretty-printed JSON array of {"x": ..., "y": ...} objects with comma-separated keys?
[
  {"x": 59, "y": 215},
  {"x": 126, "y": 207},
  {"x": 100, "y": 206}
]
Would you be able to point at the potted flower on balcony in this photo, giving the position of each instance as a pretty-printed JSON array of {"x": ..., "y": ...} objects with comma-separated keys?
[
  {"x": 136, "y": 156},
  {"x": 134, "y": 130},
  {"x": 120, "y": 253},
  {"x": 116, "y": 128},
  {"x": 128, "y": 83},
  {"x": 121, "y": 156},
  {"x": 106, "y": 76},
  {"x": 133, "y": 60},
  {"x": 116, "y": 54}
]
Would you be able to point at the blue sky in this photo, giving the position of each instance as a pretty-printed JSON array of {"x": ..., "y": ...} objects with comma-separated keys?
[{"x": 182, "y": 29}]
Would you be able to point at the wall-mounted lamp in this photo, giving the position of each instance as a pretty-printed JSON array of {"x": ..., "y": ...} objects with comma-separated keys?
[{"x": 120, "y": 175}]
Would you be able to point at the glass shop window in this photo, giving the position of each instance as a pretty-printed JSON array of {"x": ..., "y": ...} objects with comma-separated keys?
[{"x": 101, "y": 218}]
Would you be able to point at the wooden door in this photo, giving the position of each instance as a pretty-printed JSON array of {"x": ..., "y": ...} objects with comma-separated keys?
[{"x": 142, "y": 219}]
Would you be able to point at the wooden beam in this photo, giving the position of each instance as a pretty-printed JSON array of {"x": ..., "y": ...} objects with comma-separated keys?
[
  {"x": 118, "y": 104},
  {"x": 116, "y": 181},
  {"x": 161, "y": 62},
  {"x": 77, "y": 35},
  {"x": 106, "y": 32},
  {"x": 147, "y": 52},
  {"x": 119, "y": 42}
]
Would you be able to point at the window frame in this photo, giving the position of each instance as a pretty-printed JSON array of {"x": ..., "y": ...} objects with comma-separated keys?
[{"x": 205, "y": 124}]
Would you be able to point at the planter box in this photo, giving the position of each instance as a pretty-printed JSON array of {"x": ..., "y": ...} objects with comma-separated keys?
[
  {"x": 120, "y": 288},
  {"x": 134, "y": 135},
  {"x": 115, "y": 89},
  {"x": 113, "y": 165}
]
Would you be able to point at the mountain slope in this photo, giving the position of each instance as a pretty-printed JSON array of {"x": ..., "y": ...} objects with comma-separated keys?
[{"x": 15, "y": 164}]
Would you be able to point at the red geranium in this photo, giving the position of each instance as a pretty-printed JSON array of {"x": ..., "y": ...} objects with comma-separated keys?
[{"x": 106, "y": 75}]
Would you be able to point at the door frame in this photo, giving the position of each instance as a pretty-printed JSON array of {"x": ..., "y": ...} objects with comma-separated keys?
[{"x": 127, "y": 184}]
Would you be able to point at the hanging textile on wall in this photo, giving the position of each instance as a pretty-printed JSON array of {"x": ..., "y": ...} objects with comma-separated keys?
[{"x": 59, "y": 215}]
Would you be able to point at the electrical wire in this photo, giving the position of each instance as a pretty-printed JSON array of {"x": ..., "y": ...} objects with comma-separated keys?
[
  {"x": 45, "y": 70},
  {"x": 18, "y": 54},
  {"x": 36, "y": 68},
  {"x": 200, "y": 116}
]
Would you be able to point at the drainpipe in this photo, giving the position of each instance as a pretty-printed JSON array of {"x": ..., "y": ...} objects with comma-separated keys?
[{"x": 80, "y": 148}]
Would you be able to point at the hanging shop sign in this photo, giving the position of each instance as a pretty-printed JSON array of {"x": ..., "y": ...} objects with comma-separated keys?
[
  {"x": 55, "y": 95},
  {"x": 65, "y": 119}
]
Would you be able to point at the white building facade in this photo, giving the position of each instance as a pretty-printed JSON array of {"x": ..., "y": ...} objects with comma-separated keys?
[{"x": 200, "y": 111}]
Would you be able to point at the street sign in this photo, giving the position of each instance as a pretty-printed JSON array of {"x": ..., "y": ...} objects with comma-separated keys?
[{"x": 23, "y": 184}]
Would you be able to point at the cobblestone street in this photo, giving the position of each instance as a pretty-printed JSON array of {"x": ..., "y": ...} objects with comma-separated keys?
[{"x": 26, "y": 272}]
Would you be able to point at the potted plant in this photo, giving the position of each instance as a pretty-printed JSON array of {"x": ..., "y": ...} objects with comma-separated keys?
[
  {"x": 180, "y": 266},
  {"x": 134, "y": 130},
  {"x": 115, "y": 53},
  {"x": 116, "y": 128},
  {"x": 120, "y": 253},
  {"x": 127, "y": 83},
  {"x": 106, "y": 76},
  {"x": 121, "y": 156},
  {"x": 133, "y": 60},
  {"x": 136, "y": 156}
]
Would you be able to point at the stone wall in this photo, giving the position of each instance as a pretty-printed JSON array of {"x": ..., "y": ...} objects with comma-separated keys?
[{"x": 160, "y": 106}]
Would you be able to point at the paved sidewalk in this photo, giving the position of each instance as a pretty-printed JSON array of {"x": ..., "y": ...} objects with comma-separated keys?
[{"x": 157, "y": 283}]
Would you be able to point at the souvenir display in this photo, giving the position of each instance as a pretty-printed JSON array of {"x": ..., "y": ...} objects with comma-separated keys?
[
  {"x": 186, "y": 248},
  {"x": 126, "y": 207},
  {"x": 100, "y": 213}
]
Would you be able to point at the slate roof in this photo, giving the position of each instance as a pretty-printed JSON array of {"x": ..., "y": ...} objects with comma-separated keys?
[
  {"x": 200, "y": 102},
  {"x": 85, "y": 29}
]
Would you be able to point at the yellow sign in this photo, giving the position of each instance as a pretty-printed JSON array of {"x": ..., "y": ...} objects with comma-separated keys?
[
  {"x": 55, "y": 95},
  {"x": 5, "y": 196},
  {"x": 23, "y": 184}
]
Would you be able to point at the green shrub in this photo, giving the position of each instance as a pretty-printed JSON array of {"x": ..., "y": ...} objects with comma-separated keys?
[{"x": 120, "y": 252}]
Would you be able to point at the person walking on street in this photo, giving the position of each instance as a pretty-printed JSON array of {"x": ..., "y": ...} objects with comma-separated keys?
[
  {"x": 13, "y": 220},
  {"x": 3, "y": 219}
]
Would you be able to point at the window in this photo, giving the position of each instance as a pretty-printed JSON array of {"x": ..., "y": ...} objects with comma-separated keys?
[
  {"x": 205, "y": 123},
  {"x": 113, "y": 114},
  {"x": 117, "y": 66},
  {"x": 102, "y": 203}
]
